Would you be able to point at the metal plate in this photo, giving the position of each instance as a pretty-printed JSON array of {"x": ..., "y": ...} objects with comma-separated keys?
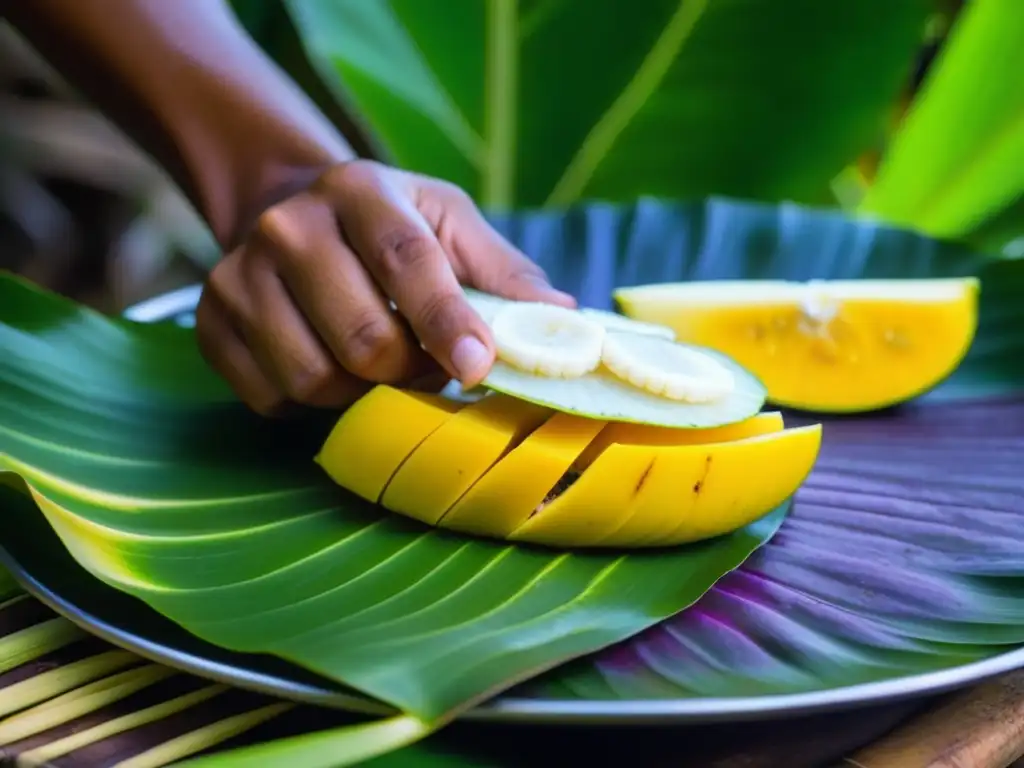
[
  {"x": 158, "y": 639},
  {"x": 94, "y": 606}
]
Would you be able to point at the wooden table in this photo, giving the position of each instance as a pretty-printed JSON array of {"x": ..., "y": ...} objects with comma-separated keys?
[{"x": 85, "y": 704}]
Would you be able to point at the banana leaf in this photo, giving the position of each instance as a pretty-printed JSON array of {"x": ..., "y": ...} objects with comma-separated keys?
[
  {"x": 159, "y": 483},
  {"x": 901, "y": 555},
  {"x": 957, "y": 162},
  {"x": 532, "y": 102}
]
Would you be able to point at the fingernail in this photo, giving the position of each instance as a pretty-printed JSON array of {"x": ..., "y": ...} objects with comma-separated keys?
[{"x": 470, "y": 358}]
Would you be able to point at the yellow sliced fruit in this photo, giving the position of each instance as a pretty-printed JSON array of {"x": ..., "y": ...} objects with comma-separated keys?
[
  {"x": 455, "y": 455},
  {"x": 647, "y": 496},
  {"x": 826, "y": 346},
  {"x": 518, "y": 484},
  {"x": 354, "y": 455},
  {"x": 594, "y": 504},
  {"x": 643, "y": 434},
  {"x": 511, "y": 469},
  {"x": 696, "y": 492}
]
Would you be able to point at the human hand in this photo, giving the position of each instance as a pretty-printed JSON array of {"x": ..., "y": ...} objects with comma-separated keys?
[{"x": 299, "y": 312}]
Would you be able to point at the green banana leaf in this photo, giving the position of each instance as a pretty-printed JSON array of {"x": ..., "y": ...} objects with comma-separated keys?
[
  {"x": 162, "y": 485},
  {"x": 534, "y": 102},
  {"x": 169, "y": 491},
  {"x": 957, "y": 162}
]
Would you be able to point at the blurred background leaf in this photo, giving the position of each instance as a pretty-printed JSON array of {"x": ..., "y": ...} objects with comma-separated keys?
[
  {"x": 869, "y": 106},
  {"x": 956, "y": 165},
  {"x": 545, "y": 103}
]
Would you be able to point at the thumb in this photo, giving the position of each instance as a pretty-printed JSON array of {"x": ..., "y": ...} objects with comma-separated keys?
[{"x": 490, "y": 263}]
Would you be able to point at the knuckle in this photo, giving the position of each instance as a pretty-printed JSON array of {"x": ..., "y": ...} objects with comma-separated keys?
[
  {"x": 219, "y": 283},
  {"x": 405, "y": 249},
  {"x": 307, "y": 379},
  {"x": 264, "y": 404},
  {"x": 352, "y": 173},
  {"x": 441, "y": 310},
  {"x": 368, "y": 346},
  {"x": 453, "y": 194},
  {"x": 276, "y": 226}
]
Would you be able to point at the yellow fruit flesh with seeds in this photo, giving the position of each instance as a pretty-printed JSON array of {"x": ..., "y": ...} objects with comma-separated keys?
[
  {"x": 505, "y": 497},
  {"x": 680, "y": 495},
  {"x": 696, "y": 492},
  {"x": 488, "y": 468},
  {"x": 453, "y": 457},
  {"x": 354, "y": 455},
  {"x": 594, "y": 504},
  {"x": 642, "y": 434},
  {"x": 862, "y": 353}
]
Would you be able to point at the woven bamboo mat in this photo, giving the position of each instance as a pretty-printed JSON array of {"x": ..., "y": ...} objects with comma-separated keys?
[{"x": 69, "y": 700}]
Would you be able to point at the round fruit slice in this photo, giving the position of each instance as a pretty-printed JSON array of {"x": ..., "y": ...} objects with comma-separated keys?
[
  {"x": 602, "y": 395},
  {"x": 487, "y": 306},
  {"x": 546, "y": 340},
  {"x": 666, "y": 369},
  {"x": 614, "y": 322},
  {"x": 840, "y": 346}
]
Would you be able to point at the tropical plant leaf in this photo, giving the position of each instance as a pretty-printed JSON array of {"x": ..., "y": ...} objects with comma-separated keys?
[
  {"x": 162, "y": 485},
  {"x": 958, "y": 159},
  {"x": 549, "y": 101},
  {"x": 795, "y": 608},
  {"x": 901, "y": 556}
]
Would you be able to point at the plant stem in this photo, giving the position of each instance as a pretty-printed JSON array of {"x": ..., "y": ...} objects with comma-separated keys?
[
  {"x": 81, "y": 701},
  {"x": 502, "y": 85},
  {"x": 54, "y": 682},
  {"x": 37, "y": 640},
  {"x": 632, "y": 99}
]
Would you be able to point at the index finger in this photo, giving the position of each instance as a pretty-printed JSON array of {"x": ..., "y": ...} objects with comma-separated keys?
[{"x": 401, "y": 251}]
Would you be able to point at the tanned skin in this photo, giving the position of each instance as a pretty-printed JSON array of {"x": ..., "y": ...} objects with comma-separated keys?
[{"x": 316, "y": 242}]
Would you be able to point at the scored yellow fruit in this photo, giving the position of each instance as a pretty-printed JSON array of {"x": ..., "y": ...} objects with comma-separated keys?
[
  {"x": 839, "y": 346},
  {"x": 509, "y": 469}
]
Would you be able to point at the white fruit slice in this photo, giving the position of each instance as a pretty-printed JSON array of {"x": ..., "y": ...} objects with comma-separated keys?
[
  {"x": 614, "y": 322},
  {"x": 547, "y": 340},
  {"x": 485, "y": 304},
  {"x": 665, "y": 368}
]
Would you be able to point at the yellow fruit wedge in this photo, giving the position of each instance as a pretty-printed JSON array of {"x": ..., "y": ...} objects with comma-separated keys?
[
  {"x": 644, "y": 434},
  {"x": 672, "y": 495},
  {"x": 594, "y": 504},
  {"x": 509, "y": 469},
  {"x": 354, "y": 456},
  {"x": 697, "y": 492},
  {"x": 508, "y": 494},
  {"x": 827, "y": 346},
  {"x": 455, "y": 455}
]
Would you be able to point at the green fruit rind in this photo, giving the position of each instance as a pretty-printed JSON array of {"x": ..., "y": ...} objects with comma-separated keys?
[{"x": 600, "y": 395}]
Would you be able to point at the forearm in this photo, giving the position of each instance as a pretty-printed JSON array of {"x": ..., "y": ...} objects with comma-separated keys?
[{"x": 186, "y": 82}]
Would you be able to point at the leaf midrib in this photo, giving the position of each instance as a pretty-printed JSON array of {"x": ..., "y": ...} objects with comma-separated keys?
[
  {"x": 500, "y": 111},
  {"x": 623, "y": 109}
]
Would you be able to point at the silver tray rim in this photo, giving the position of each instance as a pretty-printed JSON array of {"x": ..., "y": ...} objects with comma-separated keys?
[{"x": 505, "y": 708}]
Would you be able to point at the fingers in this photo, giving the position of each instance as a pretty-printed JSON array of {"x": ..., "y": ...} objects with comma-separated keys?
[
  {"x": 401, "y": 251},
  {"x": 339, "y": 299},
  {"x": 257, "y": 339},
  {"x": 228, "y": 355},
  {"x": 285, "y": 344},
  {"x": 484, "y": 259}
]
